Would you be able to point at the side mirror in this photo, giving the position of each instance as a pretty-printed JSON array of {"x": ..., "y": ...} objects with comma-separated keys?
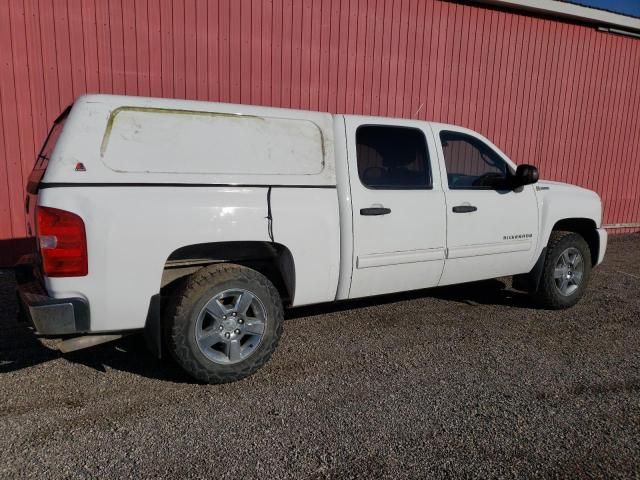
[{"x": 525, "y": 175}]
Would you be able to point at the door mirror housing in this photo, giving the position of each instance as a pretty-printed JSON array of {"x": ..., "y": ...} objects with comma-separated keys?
[{"x": 525, "y": 175}]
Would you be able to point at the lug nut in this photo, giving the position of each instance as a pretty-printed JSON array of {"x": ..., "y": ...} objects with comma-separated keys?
[
  {"x": 224, "y": 317},
  {"x": 227, "y": 335},
  {"x": 237, "y": 331},
  {"x": 240, "y": 321},
  {"x": 221, "y": 327},
  {"x": 234, "y": 314}
]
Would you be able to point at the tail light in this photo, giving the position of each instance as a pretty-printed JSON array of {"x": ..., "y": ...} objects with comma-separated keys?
[{"x": 63, "y": 243}]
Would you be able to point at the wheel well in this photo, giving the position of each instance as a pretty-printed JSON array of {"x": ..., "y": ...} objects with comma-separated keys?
[
  {"x": 273, "y": 260},
  {"x": 586, "y": 228}
]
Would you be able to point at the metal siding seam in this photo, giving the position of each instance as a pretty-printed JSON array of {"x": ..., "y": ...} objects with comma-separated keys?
[
  {"x": 287, "y": 59},
  {"x": 491, "y": 62},
  {"x": 527, "y": 119},
  {"x": 594, "y": 132},
  {"x": 306, "y": 55},
  {"x": 603, "y": 146},
  {"x": 130, "y": 49},
  {"x": 265, "y": 51},
  {"x": 90, "y": 40},
  {"x": 483, "y": 61},
  {"x": 49, "y": 68},
  {"x": 385, "y": 59},
  {"x": 368, "y": 68},
  {"x": 178, "y": 48},
  {"x": 6, "y": 229},
  {"x": 563, "y": 106},
  {"x": 296, "y": 53},
  {"x": 103, "y": 47},
  {"x": 11, "y": 118},
  {"x": 425, "y": 20},
  {"x": 352, "y": 56},
  {"x": 620, "y": 181},
  {"x": 578, "y": 118},
  {"x": 237, "y": 54},
  {"x": 429, "y": 36},
  {"x": 250, "y": 68},
  {"x": 541, "y": 88},
  {"x": 625, "y": 181},
  {"x": 403, "y": 45},
  {"x": 117, "y": 47},
  {"x": 325, "y": 37},
  {"x": 635, "y": 156},
  {"x": 507, "y": 87},
  {"x": 583, "y": 151},
  {"x": 361, "y": 57},
  {"x": 191, "y": 31},
  {"x": 201, "y": 49},
  {"x": 62, "y": 56},
  {"x": 567, "y": 107},
  {"x": 444, "y": 64},
  {"x": 22, "y": 92},
  {"x": 416, "y": 62},
  {"x": 613, "y": 162},
  {"x": 549, "y": 104},
  {"x": 613, "y": 136},
  {"x": 455, "y": 22},
  {"x": 36, "y": 75},
  {"x": 314, "y": 56},
  {"x": 515, "y": 140},
  {"x": 166, "y": 48},
  {"x": 142, "y": 46},
  {"x": 155, "y": 52},
  {"x": 224, "y": 48},
  {"x": 276, "y": 50},
  {"x": 461, "y": 67},
  {"x": 394, "y": 40}
]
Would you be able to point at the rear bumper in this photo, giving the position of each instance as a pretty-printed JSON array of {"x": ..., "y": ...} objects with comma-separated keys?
[
  {"x": 50, "y": 316},
  {"x": 602, "y": 244}
]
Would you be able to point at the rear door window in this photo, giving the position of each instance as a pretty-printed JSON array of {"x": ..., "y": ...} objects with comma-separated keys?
[{"x": 392, "y": 158}]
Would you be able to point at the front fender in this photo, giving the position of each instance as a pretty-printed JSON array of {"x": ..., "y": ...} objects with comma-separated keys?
[{"x": 561, "y": 202}]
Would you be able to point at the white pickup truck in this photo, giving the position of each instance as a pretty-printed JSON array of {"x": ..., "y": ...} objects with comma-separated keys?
[{"x": 197, "y": 223}]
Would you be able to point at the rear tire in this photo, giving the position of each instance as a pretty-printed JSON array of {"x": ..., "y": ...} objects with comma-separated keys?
[
  {"x": 224, "y": 323},
  {"x": 566, "y": 271}
]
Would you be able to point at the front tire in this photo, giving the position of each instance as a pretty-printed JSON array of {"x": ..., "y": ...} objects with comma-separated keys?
[
  {"x": 224, "y": 323},
  {"x": 566, "y": 271}
]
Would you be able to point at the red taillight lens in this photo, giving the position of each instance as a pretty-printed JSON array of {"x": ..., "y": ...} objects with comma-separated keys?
[{"x": 63, "y": 243}]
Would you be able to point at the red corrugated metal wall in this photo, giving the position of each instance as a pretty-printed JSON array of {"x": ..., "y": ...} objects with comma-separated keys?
[{"x": 555, "y": 94}]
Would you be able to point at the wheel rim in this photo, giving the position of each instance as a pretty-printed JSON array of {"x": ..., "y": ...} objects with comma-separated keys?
[
  {"x": 569, "y": 271},
  {"x": 230, "y": 327}
]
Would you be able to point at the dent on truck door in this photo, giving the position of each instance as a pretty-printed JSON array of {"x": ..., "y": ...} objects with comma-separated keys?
[
  {"x": 491, "y": 229},
  {"x": 398, "y": 206}
]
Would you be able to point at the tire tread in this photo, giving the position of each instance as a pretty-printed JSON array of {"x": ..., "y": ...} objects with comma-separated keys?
[
  {"x": 546, "y": 295},
  {"x": 178, "y": 311}
]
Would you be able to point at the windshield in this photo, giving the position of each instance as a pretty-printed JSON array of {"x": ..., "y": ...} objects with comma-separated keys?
[{"x": 43, "y": 157}]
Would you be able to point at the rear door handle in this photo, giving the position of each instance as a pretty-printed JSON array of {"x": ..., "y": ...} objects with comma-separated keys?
[
  {"x": 375, "y": 211},
  {"x": 464, "y": 209}
]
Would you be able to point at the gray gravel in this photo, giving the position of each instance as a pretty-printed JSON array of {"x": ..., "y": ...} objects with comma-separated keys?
[{"x": 469, "y": 381}]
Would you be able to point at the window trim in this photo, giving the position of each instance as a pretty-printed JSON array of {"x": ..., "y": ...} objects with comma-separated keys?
[
  {"x": 429, "y": 170},
  {"x": 481, "y": 141}
]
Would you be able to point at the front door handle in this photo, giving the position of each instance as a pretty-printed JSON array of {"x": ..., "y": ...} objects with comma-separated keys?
[
  {"x": 375, "y": 211},
  {"x": 464, "y": 209}
]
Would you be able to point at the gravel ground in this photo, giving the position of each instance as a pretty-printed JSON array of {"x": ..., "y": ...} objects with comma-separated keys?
[{"x": 469, "y": 381}]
